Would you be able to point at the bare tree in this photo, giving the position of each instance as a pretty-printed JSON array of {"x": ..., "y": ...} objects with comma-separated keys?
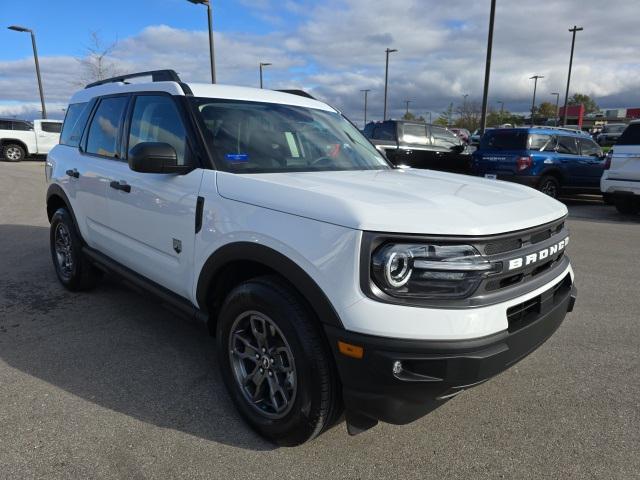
[
  {"x": 97, "y": 63},
  {"x": 468, "y": 115}
]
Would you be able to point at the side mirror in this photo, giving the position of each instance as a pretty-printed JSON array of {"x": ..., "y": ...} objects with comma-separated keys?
[
  {"x": 458, "y": 148},
  {"x": 155, "y": 157}
]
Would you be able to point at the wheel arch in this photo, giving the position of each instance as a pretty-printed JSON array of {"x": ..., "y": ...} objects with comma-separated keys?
[
  {"x": 553, "y": 171},
  {"x": 12, "y": 141},
  {"x": 240, "y": 261},
  {"x": 57, "y": 198}
]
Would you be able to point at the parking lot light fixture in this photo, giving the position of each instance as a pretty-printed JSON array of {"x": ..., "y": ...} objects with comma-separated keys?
[
  {"x": 487, "y": 68},
  {"x": 262, "y": 65},
  {"x": 533, "y": 103},
  {"x": 211, "y": 49},
  {"x": 555, "y": 120},
  {"x": 566, "y": 96},
  {"x": 386, "y": 80},
  {"x": 366, "y": 93},
  {"x": 17, "y": 28}
]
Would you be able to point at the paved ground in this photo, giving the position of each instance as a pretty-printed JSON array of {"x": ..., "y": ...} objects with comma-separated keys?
[{"x": 109, "y": 384}]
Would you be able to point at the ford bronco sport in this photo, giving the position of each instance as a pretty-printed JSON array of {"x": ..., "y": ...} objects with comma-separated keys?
[{"x": 332, "y": 281}]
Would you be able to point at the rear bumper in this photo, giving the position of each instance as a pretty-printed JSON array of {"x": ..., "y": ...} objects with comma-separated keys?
[
  {"x": 431, "y": 372},
  {"x": 528, "y": 180}
]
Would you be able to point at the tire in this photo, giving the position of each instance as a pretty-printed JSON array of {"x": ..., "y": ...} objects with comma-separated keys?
[
  {"x": 549, "y": 185},
  {"x": 296, "y": 362},
  {"x": 13, "y": 152},
  {"x": 627, "y": 206},
  {"x": 74, "y": 271}
]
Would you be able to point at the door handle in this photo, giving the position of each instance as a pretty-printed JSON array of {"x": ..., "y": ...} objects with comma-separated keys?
[
  {"x": 73, "y": 173},
  {"x": 123, "y": 187}
]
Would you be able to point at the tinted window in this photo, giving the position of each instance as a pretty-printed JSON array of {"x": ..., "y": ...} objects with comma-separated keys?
[
  {"x": 22, "y": 126},
  {"x": 504, "y": 140},
  {"x": 368, "y": 130},
  {"x": 414, "y": 133},
  {"x": 539, "y": 142},
  {"x": 613, "y": 128},
  {"x": 51, "y": 127},
  {"x": 567, "y": 145},
  {"x": 631, "y": 135},
  {"x": 255, "y": 137},
  {"x": 73, "y": 125},
  {"x": 5, "y": 125},
  {"x": 104, "y": 127},
  {"x": 589, "y": 147},
  {"x": 385, "y": 131},
  {"x": 156, "y": 119},
  {"x": 443, "y": 137}
]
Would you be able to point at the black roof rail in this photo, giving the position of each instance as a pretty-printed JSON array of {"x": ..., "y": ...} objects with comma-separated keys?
[
  {"x": 300, "y": 93},
  {"x": 156, "y": 76}
]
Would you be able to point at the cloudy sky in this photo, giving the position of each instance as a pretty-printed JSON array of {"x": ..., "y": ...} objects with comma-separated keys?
[{"x": 335, "y": 48}]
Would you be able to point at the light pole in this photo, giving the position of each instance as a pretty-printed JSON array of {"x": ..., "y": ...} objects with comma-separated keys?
[
  {"x": 533, "y": 103},
  {"x": 487, "y": 69},
  {"x": 17, "y": 28},
  {"x": 210, "y": 19},
  {"x": 366, "y": 92},
  {"x": 501, "y": 109},
  {"x": 262, "y": 65},
  {"x": 407, "y": 102},
  {"x": 386, "y": 81},
  {"x": 566, "y": 96},
  {"x": 555, "y": 120}
]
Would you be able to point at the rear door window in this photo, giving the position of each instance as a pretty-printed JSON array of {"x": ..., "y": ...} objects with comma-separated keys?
[
  {"x": 631, "y": 135},
  {"x": 104, "y": 130},
  {"x": 444, "y": 138},
  {"x": 414, "y": 133},
  {"x": 5, "y": 125},
  {"x": 51, "y": 127},
  {"x": 567, "y": 145},
  {"x": 541, "y": 142},
  {"x": 385, "y": 131},
  {"x": 24, "y": 126}
]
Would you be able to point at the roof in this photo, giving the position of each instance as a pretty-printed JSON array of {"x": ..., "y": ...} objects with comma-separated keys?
[
  {"x": 543, "y": 130},
  {"x": 226, "y": 92}
]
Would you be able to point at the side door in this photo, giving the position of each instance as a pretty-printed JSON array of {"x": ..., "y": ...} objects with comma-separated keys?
[
  {"x": 47, "y": 135},
  {"x": 152, "y": 215},
  {"x": 568, "y": 160},
  {"x": 97, "y": 153},
  {"x": 449, "y": 151},
  {"x": 591, "y": 163},
  {"x": 384, "y": 137},
  {"x": 414, "y": 146}
]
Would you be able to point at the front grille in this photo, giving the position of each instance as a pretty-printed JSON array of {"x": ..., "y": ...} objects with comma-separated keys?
[
  {"x": 525, "y": 313},
  {"x": 524, "y": 238}
]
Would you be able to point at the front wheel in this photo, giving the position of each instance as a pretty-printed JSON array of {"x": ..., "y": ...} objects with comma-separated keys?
[
  {"x": 13, "y": 153},
  {"x": 549, "y": 185},
  {"x": 275, "y": 363}
]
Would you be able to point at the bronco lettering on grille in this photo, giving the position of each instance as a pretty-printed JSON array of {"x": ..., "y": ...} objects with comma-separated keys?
[{"x": 537, "y": 256}]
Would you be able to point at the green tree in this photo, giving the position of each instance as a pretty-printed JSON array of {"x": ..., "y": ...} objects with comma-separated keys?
[
  {"x": 446, "y": 118},
  {"x": 545, "y": 110},
  {"x": 411, "y": 116},
  {"x": 590, "y": 105}
]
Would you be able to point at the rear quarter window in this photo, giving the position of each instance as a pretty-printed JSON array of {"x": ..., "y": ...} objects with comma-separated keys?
[
  {"x": 51, "y": 127},
  {"x": 631, "y": 135},
  {"x": 74, "y": 122}
]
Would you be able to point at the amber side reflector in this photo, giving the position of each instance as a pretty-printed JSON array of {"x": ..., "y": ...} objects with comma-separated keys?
[{"x": 348, "y": 350}]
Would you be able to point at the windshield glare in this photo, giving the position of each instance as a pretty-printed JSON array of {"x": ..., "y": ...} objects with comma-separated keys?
[{"x": 256, "y": 137}]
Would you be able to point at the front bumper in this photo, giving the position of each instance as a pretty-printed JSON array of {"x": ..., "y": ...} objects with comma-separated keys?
[{"x": 431, "y": 372}]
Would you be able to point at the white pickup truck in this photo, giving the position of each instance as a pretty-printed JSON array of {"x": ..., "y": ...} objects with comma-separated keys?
[{"x": 20, "y": 138}]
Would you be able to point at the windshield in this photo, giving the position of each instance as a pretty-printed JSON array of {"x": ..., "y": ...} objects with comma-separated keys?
[{"x": 256, "y": 137}]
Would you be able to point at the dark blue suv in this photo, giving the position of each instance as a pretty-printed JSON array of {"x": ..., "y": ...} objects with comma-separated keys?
[{"x": 553, "y": 160}]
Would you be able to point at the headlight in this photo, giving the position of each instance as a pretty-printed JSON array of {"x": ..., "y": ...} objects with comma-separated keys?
[{"x": 429, "y": 271}]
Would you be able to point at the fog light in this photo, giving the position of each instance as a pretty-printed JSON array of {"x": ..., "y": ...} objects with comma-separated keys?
[{"x": 397, "y": 367}]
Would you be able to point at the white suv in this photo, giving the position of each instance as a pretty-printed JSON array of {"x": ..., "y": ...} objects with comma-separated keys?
[
  {"x": 332, "y": 281},
  {"x": 620, "y": 182}
]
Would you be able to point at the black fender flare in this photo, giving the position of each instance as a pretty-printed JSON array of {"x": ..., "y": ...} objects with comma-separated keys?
[
  {"x": 555, "y": 171},
  {"x": 277, "y": 262},
  {"x": 57, "y": 191}
]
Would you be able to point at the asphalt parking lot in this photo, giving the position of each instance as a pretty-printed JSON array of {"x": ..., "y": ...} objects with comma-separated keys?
[{"x": 109, "y": 384}]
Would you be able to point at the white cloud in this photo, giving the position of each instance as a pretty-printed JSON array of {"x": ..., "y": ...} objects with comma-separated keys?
[{"x": 336, "y": 48}]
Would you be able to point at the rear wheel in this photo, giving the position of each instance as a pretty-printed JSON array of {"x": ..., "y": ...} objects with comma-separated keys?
[
  {"x": 549, "y": 185},
  {"x": 627, "y": 206},
  {"x": 74, "y": 271},
  {"x": 275, "y": 362},
  {"x": 13, "y": 152}
]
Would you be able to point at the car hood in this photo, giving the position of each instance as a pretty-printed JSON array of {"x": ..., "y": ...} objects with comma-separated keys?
[{"x": 401, "y": 201}]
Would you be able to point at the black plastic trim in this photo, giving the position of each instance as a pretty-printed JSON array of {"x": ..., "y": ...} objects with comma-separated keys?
[
  {"x": 180, "y": 303},
  {"x": 199, "y": 213},
  {"x": 275, "y": 261},
  {"x": 166, "y": 75}
]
